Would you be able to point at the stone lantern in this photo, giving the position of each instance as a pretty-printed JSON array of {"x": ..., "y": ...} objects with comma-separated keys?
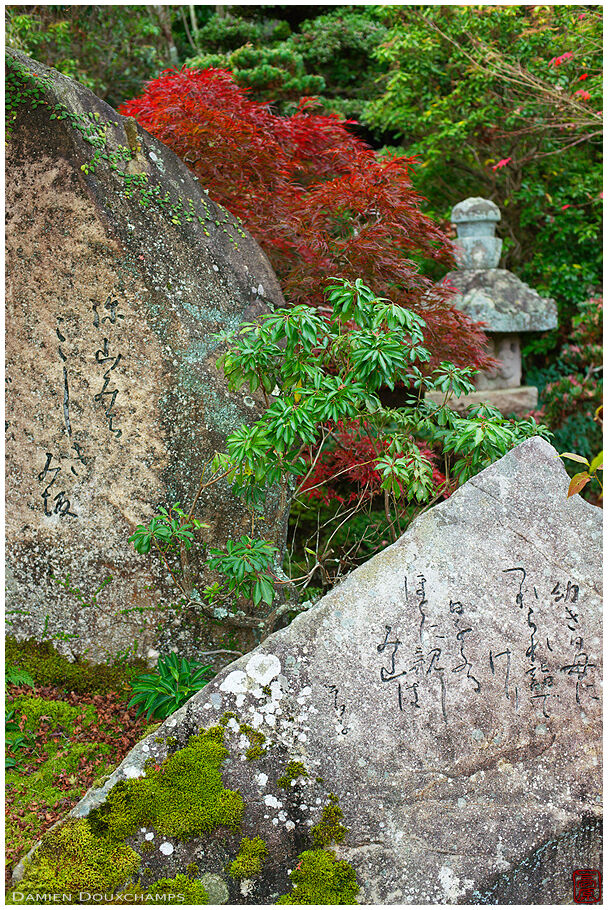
[{"x": 496, "y": 297}]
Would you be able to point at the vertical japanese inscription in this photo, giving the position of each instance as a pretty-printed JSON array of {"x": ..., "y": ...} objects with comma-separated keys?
[{"x": 104, "y": 356}]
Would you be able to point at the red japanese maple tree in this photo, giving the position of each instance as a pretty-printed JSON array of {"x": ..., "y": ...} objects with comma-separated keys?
[{"x": 317, "y": 199}]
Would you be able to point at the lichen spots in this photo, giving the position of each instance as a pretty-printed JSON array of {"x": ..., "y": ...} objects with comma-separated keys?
[
  {"x": 329, "y": 830},
  {"x": 72, "y": 859},
  {"x": 182, "y": 797},
  {"x": 321, "y": 878},
  {"x": 251, "y": 855}
]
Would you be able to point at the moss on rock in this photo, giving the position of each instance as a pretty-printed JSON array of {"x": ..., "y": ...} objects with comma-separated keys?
[
  {"x": 248, "y": 862},
  {"x": 321, "y": 878},
  {"x": 178, "y": 890},
  {"x": 293, "y": 770},
  {"x": 256, "y": 742},
  {"x": 184, "y": 796},
  {"x": 329, "y": 830},
  {"x": 71, "y": 860}
]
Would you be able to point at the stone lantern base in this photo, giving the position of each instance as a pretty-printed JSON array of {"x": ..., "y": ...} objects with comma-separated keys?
[{"x": 519, "y": 400}]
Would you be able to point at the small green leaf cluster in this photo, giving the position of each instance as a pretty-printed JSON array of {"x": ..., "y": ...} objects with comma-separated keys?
[
  {"x": 246, "y": 563},
  {"x": 14, "y": 739},
  {"x": 483, "y": 437},
  {"x": 580, "y": 480},
  {"x": 167, "y": 530},
  {"x": 16, "y": 677},
  {"x": 169, "y": 687}
]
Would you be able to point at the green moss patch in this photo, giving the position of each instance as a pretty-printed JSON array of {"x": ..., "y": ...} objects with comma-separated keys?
[
  {"x": 293, "y": 770},
  {"x": 184, "y": 796},
  {"x": 256, "y": 742},
  {"x": 178, "y": 890},
  {"x": 249, "y": 859},
  {"x": 47, "y": 667},
  {"x": 329, "y": 830},
  {"x": 55, "y": 714},
  {"x": 71, "y": 860},
  {"x": 321, "y": 878}
]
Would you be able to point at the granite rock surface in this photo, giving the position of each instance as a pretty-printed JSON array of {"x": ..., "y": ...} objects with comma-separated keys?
[
  {"x": 121, "y": 272},
  {"x": 447, "y": 692}
]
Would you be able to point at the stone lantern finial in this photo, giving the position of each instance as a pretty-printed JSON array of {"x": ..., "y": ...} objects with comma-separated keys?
[{"x": 476, "y": 219}]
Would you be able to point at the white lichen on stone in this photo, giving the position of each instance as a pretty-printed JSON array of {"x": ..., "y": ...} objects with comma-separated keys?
[
  {"x": 263, "y": 668},
  {"x": 235, "y": 683},
  {"x": 132, "y": 772},
  {"x": 166, "y": 848},
  {"x": 452, "y": 886}
]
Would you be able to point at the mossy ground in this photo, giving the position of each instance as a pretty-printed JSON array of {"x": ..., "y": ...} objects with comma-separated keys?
[
  {"x": 78, "y": 730},
  {"x": 48, "y": 668}
]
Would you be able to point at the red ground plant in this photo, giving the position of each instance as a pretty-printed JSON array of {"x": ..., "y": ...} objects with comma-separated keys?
[{"x": 317, "y": 199}]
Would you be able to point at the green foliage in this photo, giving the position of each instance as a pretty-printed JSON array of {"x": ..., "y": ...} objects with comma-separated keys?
[
  {"x": 17, "y": 677},
  {"x": 110, "y": 49},
  {"x": 330, "y": 56},
  {"x": 182, "y": 797},
  {"x": 167, "y": 531},
  {"x": 14, "y": 739},
  {"x": 246, "y": 563},
  {"x": 571, "y": 386},
  {"x": 476, "y": 93},
  {"x": 169, "y": 687},
  {"x": 320, "y": 878},
  {"x": 331, "y": 369},
  {"x": 251, "y": 855},
  {"x": 580, "y": 480}
]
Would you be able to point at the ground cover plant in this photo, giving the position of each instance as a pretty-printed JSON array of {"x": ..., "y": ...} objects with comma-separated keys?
[{"x": 68, "y": 725}]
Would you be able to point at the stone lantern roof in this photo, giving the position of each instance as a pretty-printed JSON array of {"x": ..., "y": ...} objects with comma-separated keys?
[
  {"x": 498, "y": 298},
  {"x": 486, "y": 293}
]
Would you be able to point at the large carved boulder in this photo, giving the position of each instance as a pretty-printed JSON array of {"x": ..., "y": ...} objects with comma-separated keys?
[
  {"x": 446, "y": 693},
  {"x": 121, "y": 273}
]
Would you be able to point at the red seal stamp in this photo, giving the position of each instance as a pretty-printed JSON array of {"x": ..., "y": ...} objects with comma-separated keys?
[{"x": 587, "y": 886}]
